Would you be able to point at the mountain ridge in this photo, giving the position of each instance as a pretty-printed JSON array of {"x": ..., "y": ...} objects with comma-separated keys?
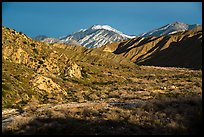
[
  {"x": 92, "y": 37},
  {"x": 172, "y": 28},
  {"x": 97, "y": 35},
  {"x": 182, "y": 49}
]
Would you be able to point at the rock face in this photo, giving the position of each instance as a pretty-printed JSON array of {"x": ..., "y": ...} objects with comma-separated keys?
[
  {"x": 20, "y": 56},
  {"x": 72, "y": 70},
  {"x": 46, "y": 84}
]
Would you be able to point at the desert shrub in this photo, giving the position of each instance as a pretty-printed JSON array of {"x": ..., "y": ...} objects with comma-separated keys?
[
  {"x": 32, "y": 44},
  {"x": 198, "y": 84},
  {"x": 17, "y": 77},
  {"x": 35, "y": 50},
  {"x": 40, "y": 62},
  {"x": 75, "y": 80},
  {"x": 38, "y": 66},
  {"x": 90, "y": 112},
  {"x": 84, "y": 73},
  {"x": 24, "y": 42},
  {"x": 5, "y": 87},
  {"x": 114, "y": 94},
  {"x": 43, "y": 57},
  {"x": 45, "y": 98},
  {"x": 102, "y": 83},
  {"x": 93, "y": 97}
]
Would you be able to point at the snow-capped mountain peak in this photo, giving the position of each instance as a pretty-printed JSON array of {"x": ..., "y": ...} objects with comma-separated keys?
[
  {"x": 106, "y": 27},
  {"x": 99, "y": 35},
  {"x": 82, "y": 30},
  {"x": 169, "y": 29},
  {"x": 96, "y": 36},
  {"x": 92, "y": 37},
  {"x": 109, "y": 28}
]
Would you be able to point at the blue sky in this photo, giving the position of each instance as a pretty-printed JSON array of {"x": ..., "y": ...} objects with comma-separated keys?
[{"x": 56, "y": 19}]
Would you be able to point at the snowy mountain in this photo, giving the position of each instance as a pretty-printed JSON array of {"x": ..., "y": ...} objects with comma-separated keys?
[
  {"x": 50, "y": 40},
  {"x": 97, "y": 36},
  {"x": 69, "y": 41},
  {"x": 170, "y": 29},
  {"x": 93, "y": 37}
]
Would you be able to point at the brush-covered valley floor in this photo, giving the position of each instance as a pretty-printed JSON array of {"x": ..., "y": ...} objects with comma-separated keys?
[{"x": 120, "y": 101}]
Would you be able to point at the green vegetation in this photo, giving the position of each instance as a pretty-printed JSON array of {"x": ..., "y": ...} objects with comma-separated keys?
[
  {"x": 32, "y": 44},
  {"x": 24, "y": 42}
]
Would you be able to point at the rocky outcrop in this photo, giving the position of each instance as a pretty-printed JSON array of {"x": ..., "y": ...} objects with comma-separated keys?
[
  {"x": 72, "y": 70},
  {"x": 46, "y": 84},
  {"x": 20, "y": 56}
]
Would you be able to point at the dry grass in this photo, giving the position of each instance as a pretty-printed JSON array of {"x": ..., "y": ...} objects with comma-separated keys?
[{"x": 136, "y": 103}]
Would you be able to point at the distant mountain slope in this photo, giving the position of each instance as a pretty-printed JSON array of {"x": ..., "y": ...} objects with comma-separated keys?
[
  {"x": 40, "y": 37},
  {"x": 98, "y": 35},
  {"x": 170, "y": 29},
  {"x": 70, "y": 41},
  {"x": 183, "y": 49},
  {"x": 93, "y": 37}
]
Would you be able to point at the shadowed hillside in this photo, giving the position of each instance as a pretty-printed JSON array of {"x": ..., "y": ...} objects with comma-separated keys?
[{"x": 183, "y": 49}]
